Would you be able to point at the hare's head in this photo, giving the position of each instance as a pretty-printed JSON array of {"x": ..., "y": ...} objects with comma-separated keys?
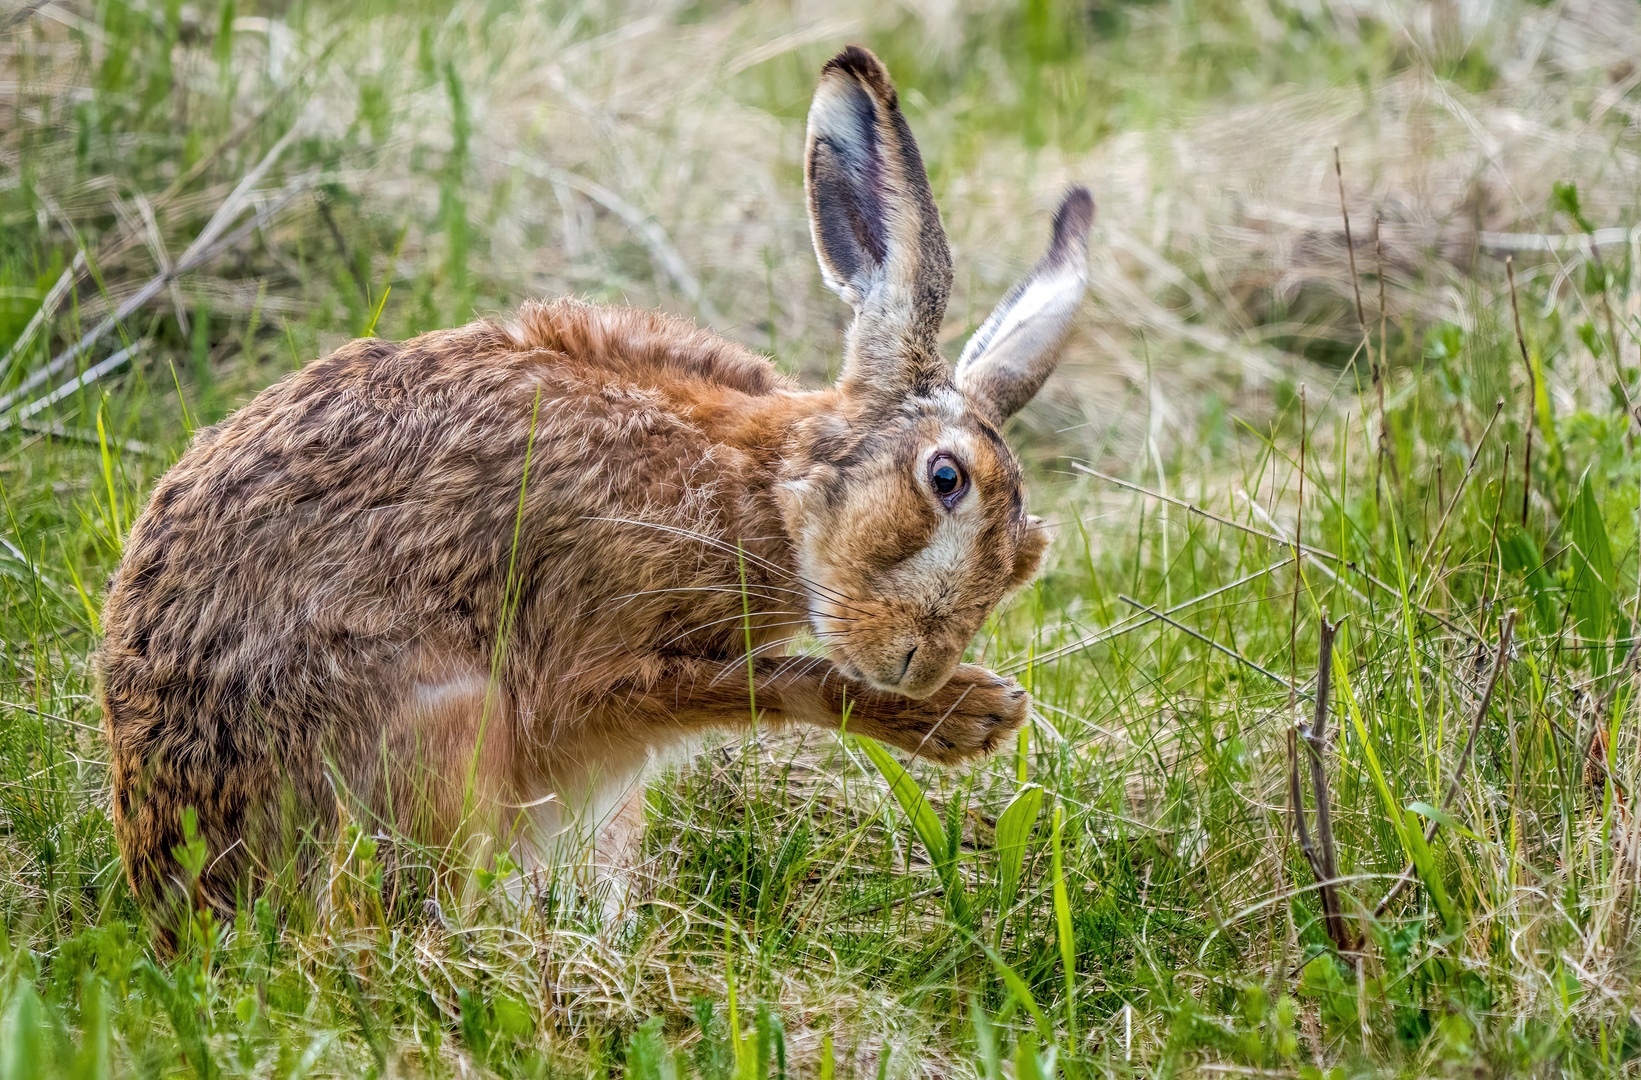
[{"x": 908, "y": 513}]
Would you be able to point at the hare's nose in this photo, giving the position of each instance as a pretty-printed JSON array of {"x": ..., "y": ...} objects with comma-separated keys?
[{"x": 906, "y": 665}]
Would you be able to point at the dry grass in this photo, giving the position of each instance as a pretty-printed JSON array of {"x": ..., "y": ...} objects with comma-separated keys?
[{"x": 469, "y": 157}]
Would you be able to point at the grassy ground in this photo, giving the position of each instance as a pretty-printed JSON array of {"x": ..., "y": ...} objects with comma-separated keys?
[{"x": 1283, "y": 431}]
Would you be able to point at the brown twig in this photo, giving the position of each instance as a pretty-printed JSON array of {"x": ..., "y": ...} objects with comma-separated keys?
[
  {"x": 1405, "y": 878},
  {"x": 1320, "y": 852},
  {"x": 1532, "y": 392}
]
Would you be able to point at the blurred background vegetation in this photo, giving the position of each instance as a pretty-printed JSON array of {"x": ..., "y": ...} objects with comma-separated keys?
[{"x": 197, "y": 198}]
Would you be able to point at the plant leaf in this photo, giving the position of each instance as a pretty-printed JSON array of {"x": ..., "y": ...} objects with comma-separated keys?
[
  {"x": 1442, "y": 817},
  {"x": 1015, "y": 826},
  {"x": 1592, "y": 562},
  {"x": 1424, "y": 861},
  {"x": 1519, "y": 554},
  {"x": 929, "y": 829}
]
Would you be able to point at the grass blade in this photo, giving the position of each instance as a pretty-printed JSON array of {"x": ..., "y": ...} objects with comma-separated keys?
[{"x": 1062, "y": 922}]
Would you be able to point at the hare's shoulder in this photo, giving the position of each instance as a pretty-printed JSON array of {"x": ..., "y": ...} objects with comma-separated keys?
[{"x": 643, "y": 347}]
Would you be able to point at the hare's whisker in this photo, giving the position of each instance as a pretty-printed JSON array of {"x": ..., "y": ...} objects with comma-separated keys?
[
  {"x": 738, "y": 617},
  {"x": 740, "y": 553},
  {"x": 750, "y": 590}
]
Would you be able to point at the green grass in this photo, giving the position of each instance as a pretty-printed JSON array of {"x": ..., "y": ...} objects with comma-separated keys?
[{"x": 1123, "y": 893}]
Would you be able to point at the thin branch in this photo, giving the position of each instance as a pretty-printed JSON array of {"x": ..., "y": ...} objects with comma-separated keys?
[
  {"x": 203, "y": 248},
  {"x": 79, "y": 382},
  {"x": 45, "y": 312},
  {"x": 1325, "y": 863},
  {"x": 1210, "y": 642},
  {"x": 90, "y": 438},
  {"x": 1285, "y": 541},
  {"x": 258, "y": 221},
  {"x": 1134, "y": 622},
  {"x": 1503, "y": 241}
]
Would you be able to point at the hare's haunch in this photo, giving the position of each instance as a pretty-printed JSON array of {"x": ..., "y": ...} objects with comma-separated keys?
[{"x": 470, "y": 583}]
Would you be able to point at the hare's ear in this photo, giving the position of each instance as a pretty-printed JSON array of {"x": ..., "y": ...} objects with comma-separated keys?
[
  {"x": 1014, "y": 352},
  {"x": 877, "y": 233}
]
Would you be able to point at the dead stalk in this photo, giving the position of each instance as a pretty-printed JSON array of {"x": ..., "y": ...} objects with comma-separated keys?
[
  {"x": 1384, "y": 316},
  {"x": 1320, "y": 851},
  {"x": 1405, "y": 878},
  {"x": 1350, "y": 247},
  {"x": 1211, "y": 643}
]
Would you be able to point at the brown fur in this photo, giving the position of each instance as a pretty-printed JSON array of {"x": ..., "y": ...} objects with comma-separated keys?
[{"x": 350, "y": 596}]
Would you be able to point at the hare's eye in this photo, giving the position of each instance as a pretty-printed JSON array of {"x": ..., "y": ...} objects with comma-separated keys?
[{"x": 947, "y": 478}]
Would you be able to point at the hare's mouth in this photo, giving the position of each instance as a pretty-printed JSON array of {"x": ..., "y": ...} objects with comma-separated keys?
[
  {"x": 887, "y": 660},
  {"x": 897, "y": 674}
]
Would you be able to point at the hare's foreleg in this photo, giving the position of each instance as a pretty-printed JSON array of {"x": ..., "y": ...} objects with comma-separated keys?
[{"x": 968, "y": 716}]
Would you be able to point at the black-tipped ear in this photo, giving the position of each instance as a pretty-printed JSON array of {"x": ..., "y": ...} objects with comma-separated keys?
[
  {"x": 872, "y": 216},
  {"x": 1014, "y": 352}
]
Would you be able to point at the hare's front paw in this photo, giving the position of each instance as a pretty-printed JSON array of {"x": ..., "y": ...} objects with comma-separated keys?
[{"x": 969, "y": 716}]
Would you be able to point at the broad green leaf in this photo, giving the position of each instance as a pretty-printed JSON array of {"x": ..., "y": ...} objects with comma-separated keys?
[
  {"x": 23, "y": 1049},
  {"x": 928, "y": 826},
  {"x": 1546, "y": 413},
  {"x": 990, "y": 1065},
  {"x": 1519, "y": 554},
  {"x": 1022, "y": 993},
  {"x": 1424, "y": 861},
  {"x": 1026, "y": 1066},
  {"x": 1443, "y": 818},
  {"x": 1014, "y": 828},
  {"x": 1592, "y": 562}
]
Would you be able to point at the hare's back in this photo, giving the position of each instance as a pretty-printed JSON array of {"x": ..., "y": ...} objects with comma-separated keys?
[{"x": 372, "y": 499}]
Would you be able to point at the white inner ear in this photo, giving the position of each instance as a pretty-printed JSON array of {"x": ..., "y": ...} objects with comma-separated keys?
[{"x": 1042, "y": 309}]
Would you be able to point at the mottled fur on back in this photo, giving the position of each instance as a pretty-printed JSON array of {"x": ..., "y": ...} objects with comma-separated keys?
[{"x": 471, "y": 583}]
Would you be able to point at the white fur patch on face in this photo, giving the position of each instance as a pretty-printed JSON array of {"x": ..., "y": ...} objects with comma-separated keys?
[{"x": 951, "y": 547}]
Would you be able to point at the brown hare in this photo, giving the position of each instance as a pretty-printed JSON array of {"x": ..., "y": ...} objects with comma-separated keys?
[{"x": 472, "y": 583}]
